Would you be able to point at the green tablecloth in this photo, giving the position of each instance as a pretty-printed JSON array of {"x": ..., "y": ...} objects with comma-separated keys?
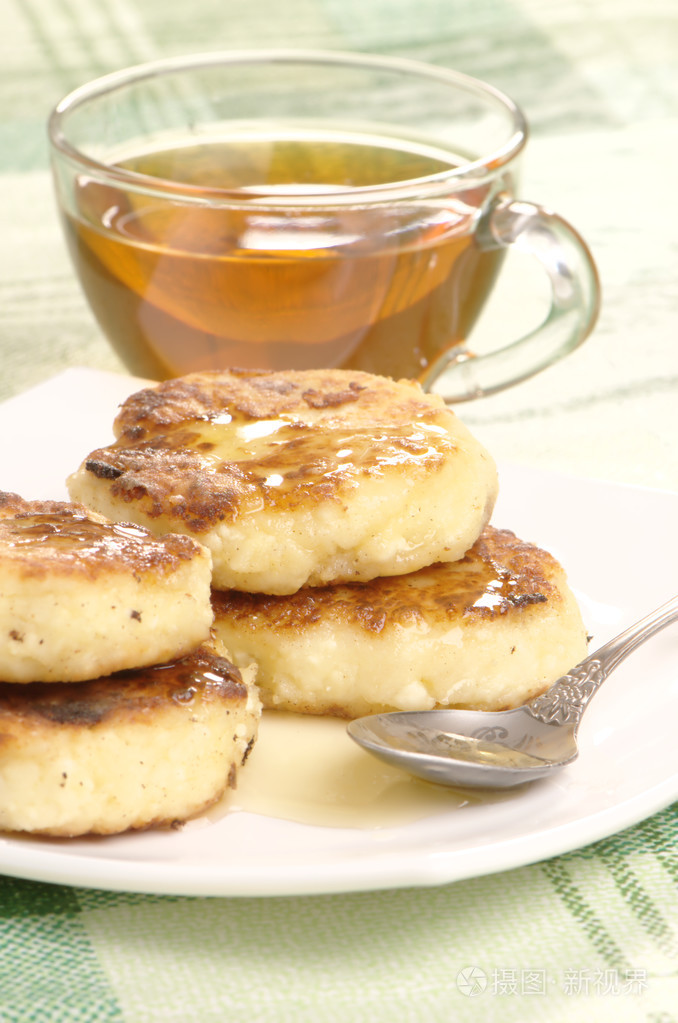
[{"x": 589, "y": 935}]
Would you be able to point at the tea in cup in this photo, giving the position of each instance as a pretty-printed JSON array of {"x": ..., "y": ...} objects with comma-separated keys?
[{"x": 292, "y": 209}]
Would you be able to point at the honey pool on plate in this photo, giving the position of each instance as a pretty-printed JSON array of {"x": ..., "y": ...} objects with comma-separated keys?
[
  {"x": 307, "y": 769},
  {"x": 228, "y": 278}
]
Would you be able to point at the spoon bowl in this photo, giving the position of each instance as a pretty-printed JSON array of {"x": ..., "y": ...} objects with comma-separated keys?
[{"x": 500, "y": 749}]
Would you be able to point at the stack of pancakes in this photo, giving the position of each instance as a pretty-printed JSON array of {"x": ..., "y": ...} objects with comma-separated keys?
[
  {"x": 347, "y": 517},
  {"x": 329, "y": 527},
  {"x": 118, "y": 708}
]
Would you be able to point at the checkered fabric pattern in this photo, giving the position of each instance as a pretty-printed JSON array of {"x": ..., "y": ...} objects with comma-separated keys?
[{"x": 590, "y": 935}]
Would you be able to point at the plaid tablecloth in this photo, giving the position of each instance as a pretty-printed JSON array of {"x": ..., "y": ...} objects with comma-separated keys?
[{"x": 589, "y": 935}]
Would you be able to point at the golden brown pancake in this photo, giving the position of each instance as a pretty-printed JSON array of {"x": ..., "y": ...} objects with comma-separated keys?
[
  {"x": 295, "y": 478},
  {"x": 81, "y": 596},
  {"x": 136, "y": 749},
  {"x": 488, "y": 631}
]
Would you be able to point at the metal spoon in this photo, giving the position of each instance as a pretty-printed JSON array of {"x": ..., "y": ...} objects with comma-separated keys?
[{"x": 485, "y": 749}]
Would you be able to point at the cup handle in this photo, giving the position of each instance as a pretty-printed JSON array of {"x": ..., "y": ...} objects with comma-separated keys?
[{"x": 459, "y": 375}]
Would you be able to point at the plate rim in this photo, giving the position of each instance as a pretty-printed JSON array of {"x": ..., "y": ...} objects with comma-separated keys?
[
  {"x": 153, "y": 878},
  {"x": 24, "y": 857}
]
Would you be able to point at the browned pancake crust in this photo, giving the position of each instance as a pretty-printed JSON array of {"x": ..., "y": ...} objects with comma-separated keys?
[
  {"x": 46, "y": 537},
  {"x": 126, "y": 696},
  {"x": 500, "y": 576},
  {"x": 164, "y": 458}
]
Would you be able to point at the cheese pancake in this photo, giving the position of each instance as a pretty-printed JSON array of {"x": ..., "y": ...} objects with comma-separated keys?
[
  {"x": 487, "y": 632},
  {"x": 81, "y": 596},
  {"x": 138, "y": 749},
  {"x": 296, "y": 478}
]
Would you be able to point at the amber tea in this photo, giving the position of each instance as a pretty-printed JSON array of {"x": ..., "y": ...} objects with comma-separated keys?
[
  {"x": 246, "y": 273},
  {"x": 310, "y": 208}
]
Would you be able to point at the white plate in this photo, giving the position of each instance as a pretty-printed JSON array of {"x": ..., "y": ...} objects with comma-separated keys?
[{"x": 618, "y": 545}]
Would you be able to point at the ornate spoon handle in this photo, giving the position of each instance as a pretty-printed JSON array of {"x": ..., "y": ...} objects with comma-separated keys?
[{"x": 569, "y": 696}]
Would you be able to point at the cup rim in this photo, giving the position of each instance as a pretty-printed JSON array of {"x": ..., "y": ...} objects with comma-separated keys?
[{"x": 470, "y": 174}]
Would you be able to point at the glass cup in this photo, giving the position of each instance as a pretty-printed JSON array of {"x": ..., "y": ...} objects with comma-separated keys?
[{"x": 294, "y": 209}]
